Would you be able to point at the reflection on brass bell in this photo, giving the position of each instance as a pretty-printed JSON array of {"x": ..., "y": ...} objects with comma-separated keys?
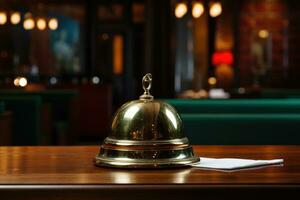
[{"x": 146, "y": 133}]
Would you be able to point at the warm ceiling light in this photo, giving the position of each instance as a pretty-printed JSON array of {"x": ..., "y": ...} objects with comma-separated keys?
[
  {"x": 28, "y": 24},
  {"x": 41, "y": 24},
  {"x": 22, "y": 82},
  {"x": 3, "y": 18},
  {"x": 16, "y": 81},
  {"x": 197, "y": 10},
  {"x": 263, "y": 33},
  {"x": 53, "y": 24},
  {"x": 212, "y": 81},
  {"x": 15, "y": 18},
  {"x": 215, "y": 9},
  {"x": 180, "y": 10}
]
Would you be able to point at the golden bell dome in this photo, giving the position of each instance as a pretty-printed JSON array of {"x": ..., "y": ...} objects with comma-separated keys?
[{"x": 146, "y": 133}]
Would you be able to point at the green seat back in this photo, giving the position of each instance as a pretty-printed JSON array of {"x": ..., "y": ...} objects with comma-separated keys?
[
  {"x": 242, "y": 129},
  {"x": 2, "y": 107},
  {"x": 26, "y": 118},
  {"x": 280, "y": 93},
  {"x": 59, "y": 100},
  {"x": 236, "y": 106}
]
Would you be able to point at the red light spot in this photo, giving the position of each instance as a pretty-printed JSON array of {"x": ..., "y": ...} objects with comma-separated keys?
[{"x": 222, "y": 57}]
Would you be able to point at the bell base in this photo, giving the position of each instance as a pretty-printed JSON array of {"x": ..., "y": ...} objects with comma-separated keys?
[
  {"x": 145, "y": 164},
  {"x": 155, "y": 158}
]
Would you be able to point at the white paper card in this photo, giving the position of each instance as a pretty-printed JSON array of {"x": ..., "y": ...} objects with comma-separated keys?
[{"x": 233, "y": 163}]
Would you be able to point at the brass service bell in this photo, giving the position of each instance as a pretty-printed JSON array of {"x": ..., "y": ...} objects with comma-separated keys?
[{"x": 146, "y": 133}]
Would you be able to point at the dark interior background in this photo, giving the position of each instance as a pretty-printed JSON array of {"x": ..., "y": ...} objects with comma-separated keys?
[{"x": 101, "y": 49}]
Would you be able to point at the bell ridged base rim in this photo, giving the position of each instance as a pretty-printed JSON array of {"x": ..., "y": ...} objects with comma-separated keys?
[
  {"x": 167, "y": 158},
  {"x": 100, "y": 162}
]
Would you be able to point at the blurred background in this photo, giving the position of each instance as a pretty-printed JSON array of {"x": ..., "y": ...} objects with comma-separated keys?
[{"x": 66, "y": 66}]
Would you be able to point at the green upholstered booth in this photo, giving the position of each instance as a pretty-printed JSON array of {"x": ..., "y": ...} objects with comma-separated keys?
[
  {"x": 240, "y": 121},
  {"x": 46, "y": 95},
  {"x": 26, "y": 118},
  {"x": 231, "y": 129},
  {"x": 2, "y": 107},
  {"x": 56, "y": 103},
  {"x": 280, "y": 93},
  {"x": 236, "y": 106},
  {"x": 5, "y": 125}
]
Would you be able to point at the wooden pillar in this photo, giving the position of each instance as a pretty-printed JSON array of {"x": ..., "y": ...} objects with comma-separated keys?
[{"x": 158, "y": 59}]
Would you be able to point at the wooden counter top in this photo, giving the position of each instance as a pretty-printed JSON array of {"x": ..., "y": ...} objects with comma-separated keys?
[{"x": 48, "y": 170}]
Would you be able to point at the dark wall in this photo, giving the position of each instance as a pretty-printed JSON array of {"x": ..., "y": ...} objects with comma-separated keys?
[{"x": 158, "y": 56}]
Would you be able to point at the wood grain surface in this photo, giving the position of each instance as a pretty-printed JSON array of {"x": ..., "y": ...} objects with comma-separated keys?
[{"x": 68, "y": 170}]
